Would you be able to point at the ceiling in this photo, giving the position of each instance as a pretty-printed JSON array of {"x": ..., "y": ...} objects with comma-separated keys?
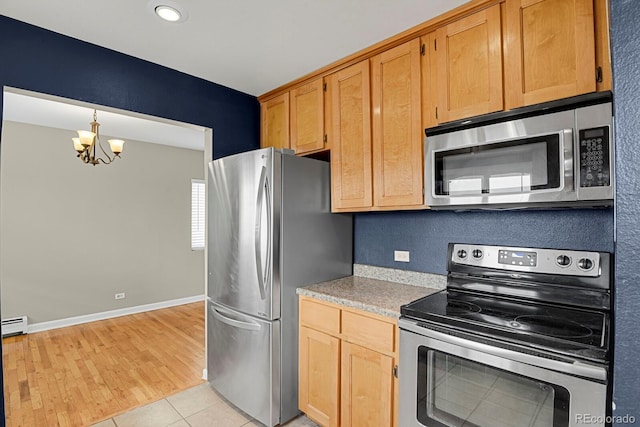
[{"x": 253, "y": 46}]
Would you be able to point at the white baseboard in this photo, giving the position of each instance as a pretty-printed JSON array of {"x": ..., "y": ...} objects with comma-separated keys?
[{"x": 77, "y": 320}]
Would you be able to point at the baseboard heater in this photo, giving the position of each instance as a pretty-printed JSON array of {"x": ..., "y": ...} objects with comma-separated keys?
[{"x": 14, "y": 326}]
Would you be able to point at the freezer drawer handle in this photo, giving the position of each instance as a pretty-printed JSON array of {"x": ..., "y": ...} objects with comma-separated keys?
[
  {"x": 252, "y": 326},
  {"x": 263, "y": 195}
]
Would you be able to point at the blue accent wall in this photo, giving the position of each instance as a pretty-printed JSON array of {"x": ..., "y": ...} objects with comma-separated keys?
[
  {"x": 426, "y": 234},
  {"x": 39, "y": 60},
  {"x": 625, "y": 37}
]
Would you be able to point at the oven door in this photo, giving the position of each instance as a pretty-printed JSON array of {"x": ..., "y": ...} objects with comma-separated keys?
[{"x": 450, "y": 381}]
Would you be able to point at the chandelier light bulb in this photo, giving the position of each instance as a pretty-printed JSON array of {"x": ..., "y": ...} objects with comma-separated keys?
[
  {"x": 116, "y": 145},
  {"x": 77, "y": 145},
  {"x": 86, "y": 137}
]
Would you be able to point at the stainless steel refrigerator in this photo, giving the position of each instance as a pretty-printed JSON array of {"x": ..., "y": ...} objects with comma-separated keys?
[{"x": 270, "y": 231}]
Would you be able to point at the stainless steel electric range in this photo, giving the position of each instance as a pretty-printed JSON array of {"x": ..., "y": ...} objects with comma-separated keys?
[{"x": 520, "y": 337}]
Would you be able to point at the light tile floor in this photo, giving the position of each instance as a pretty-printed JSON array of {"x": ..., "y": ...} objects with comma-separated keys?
[{"x": 199, "y": 406}]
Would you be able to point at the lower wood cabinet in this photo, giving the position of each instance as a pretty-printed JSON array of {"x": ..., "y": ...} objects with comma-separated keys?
[
  {"x": 346, "y": 368},
  {"x": 319, "y": 382},
  {"x": 366, "y": 386}
]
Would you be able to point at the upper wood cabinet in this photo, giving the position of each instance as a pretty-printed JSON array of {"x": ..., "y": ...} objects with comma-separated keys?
[
  {"x": 467, "y": 66},
  {"x": 350, "y": 136},
  {"x": 549, "y": 50},
  {"x": 428, "y": 80},
  {"x": 603, "y": 45},
  {"x": 307, "y": 118},
  {"x": 397, "y": 127},
  {"x": 275, "y": 122},
  {"x": 484, "y": 56}
]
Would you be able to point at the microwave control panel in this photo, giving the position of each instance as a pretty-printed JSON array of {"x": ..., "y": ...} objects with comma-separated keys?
[{"x": 595, "y": 157}]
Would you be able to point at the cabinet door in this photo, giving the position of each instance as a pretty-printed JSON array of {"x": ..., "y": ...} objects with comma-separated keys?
[
  {"x": 275, "y": 122},
  {"x": 603, "y": 48},
  {"x": 367, "y": 387},
  {"x": 469, "y": 66},
  {"x": 318, "y": 371},
  {"x": 397, "y": 128},
  {"x": 307, "y": 117},
  {"x": 550, "y": 51},
  {"x": 429, "y": 80},
  {"x": 351, "y": 186}
]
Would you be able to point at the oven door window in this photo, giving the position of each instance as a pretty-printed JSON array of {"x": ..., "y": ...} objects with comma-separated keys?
[
  {"x": 456, "y": 392},
  {"x": 511, "y": 167}
]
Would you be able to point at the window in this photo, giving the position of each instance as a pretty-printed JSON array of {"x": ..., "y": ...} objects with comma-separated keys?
[{"x": 197, "y": 214}]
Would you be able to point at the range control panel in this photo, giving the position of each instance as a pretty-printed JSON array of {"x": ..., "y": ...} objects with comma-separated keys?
[
  {"x": 550, "y": 261},
  {"x": 507, "y": 256}
]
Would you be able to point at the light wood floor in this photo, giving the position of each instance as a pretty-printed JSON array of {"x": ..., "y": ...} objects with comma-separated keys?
[{"x": 83, "y": 374}]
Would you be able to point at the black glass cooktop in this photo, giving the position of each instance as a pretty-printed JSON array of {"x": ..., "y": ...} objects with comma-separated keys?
[{"x": 563, "y": 329}]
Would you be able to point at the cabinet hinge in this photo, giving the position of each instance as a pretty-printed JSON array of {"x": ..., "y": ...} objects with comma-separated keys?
[
  {"x": 422, "y": 49},
  {"x": 324, "y": 138},
  {"x": 395, "y": 371},
  {"x": 599, "y": 74},
  {"x": 324, "y": 87}
]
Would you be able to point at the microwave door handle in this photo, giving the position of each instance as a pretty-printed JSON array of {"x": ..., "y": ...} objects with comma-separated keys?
[
  {"x": 252, "y": 326},
  {"x": 567, "y": 153},
  {"x": 258, "y": 230}
]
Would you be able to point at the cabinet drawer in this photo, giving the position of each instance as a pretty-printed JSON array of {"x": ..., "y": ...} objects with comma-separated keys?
[
  {"x": 319, "y": 316},
  {"x": 372, "y": 333}
]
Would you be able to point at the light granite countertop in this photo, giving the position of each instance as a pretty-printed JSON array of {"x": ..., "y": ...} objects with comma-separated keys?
[{"x": 372, "y": 295}]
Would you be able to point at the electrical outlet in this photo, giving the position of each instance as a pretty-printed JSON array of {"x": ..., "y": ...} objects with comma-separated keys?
[
  {"x": 401, "y": 256},
  {"x": 120, "y": 296}
]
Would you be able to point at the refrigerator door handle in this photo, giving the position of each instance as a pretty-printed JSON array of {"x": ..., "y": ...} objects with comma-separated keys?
[
  {"x": 263, "y": 197},
  {"x": 252, "y": 326}
]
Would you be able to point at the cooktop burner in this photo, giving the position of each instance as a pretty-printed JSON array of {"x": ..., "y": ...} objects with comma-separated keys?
[
  {"x": 457, "y": 306},
  {"x": 551, "y": 326},
  {"x": 564, "y": 329}
]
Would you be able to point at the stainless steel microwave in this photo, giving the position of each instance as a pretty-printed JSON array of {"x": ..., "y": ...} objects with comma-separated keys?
[{"x": 547, "y": 156}]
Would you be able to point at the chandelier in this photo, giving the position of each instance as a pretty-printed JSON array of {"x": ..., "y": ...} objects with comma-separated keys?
[{"x": 87, "y": 141}]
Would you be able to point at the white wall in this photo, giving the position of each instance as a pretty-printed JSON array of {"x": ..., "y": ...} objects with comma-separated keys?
[{"x": 72, "y": 235}]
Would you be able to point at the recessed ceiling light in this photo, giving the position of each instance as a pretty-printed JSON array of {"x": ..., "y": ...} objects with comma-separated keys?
[
  {"x": 168, "y": 13},
  {"x": 168, "y": 10}
]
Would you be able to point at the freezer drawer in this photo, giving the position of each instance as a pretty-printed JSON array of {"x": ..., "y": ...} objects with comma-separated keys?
[{"x": 243, "y": 361}]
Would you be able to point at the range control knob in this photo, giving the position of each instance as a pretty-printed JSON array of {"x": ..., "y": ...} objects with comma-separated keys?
[
  {"x": 477, "y": 253},
  {"x": 563, "y": 260},
  {"x": 585, "y": 264},
  {"x": 462, "y": 254}
]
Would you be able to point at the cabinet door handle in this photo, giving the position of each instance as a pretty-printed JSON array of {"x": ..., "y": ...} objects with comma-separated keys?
[{"x": 395, "y": 371}]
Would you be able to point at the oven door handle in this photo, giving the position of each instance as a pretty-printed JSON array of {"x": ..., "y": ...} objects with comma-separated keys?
[{"x": 565, "y": 365}]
